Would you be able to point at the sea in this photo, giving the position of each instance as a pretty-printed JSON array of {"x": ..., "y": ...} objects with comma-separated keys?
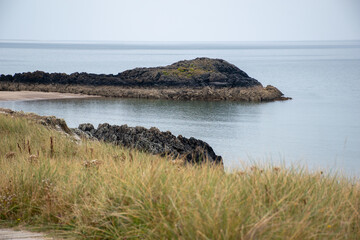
[{"x": 318, "y": 129}]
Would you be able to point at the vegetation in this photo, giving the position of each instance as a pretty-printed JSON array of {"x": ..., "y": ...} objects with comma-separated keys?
[
  {"x": 93, "y": 190},
  {"x": 188, "y": 70}
]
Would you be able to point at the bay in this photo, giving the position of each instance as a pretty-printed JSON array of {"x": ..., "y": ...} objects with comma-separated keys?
[{"x": 319, "y": 128}]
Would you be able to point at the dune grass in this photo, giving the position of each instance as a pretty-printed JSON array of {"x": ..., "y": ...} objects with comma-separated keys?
[{"x": 92, "y": 190}]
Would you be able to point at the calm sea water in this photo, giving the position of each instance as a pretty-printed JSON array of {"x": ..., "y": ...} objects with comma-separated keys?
[{"x": 320, "y": 127}]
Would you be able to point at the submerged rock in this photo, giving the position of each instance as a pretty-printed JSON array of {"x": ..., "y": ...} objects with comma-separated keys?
[{"x": 153, "y": 141}]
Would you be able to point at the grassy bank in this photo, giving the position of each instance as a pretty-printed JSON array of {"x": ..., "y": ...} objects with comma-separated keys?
[{"x": 49, "y": 180}]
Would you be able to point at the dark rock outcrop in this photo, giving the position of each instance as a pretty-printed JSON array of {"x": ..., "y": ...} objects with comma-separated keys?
[
  {"x": 199, "y": 72},
  {"x": 153, "y": 141}
]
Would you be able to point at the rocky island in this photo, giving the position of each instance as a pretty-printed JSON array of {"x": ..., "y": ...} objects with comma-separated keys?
[{"x": 197, "y": 79}]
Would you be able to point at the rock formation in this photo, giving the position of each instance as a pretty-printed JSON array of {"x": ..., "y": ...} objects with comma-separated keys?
[
  {"x": 148, "y": 140},
  {"x": 198, "y": 79},
  {"x": 152, "y": 141}
]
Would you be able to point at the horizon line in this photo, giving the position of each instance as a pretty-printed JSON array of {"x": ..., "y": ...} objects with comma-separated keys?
[{"x": 169, "y": 41}]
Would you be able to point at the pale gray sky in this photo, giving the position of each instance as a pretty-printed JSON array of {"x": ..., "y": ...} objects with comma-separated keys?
[{"x": 181, "y": 20}]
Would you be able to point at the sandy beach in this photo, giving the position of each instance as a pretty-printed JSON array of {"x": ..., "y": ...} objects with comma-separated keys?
[{"x": 33, "y": 95}]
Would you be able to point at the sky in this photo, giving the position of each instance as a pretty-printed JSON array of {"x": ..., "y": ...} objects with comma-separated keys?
[{"x": 181, "y": 20}]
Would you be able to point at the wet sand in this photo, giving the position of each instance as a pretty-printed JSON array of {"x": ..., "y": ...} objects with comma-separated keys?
[{"x": 33, "y": 95}]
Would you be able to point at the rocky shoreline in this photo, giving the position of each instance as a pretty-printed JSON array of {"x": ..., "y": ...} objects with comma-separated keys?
[
  {"x": 152, "y": 140},
  {"x": 198, "y": 79}
]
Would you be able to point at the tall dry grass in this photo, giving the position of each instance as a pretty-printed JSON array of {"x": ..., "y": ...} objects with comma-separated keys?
[{"x": 98, "y": 191}]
